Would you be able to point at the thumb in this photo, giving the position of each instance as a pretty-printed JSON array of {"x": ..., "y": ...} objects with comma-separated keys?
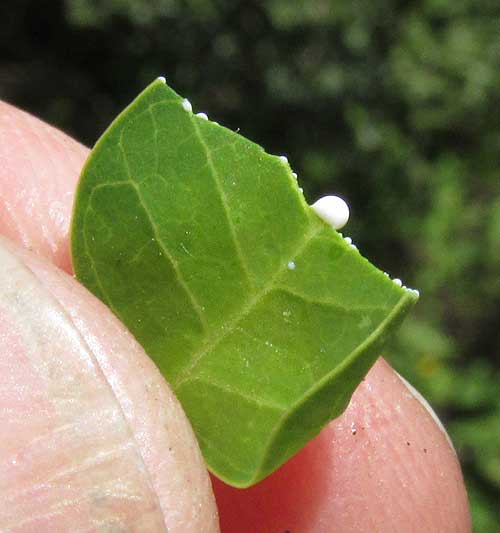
[{"x": 85, "y": 444}]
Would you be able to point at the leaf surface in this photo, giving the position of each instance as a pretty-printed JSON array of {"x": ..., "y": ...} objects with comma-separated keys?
[{"x": 260, "y": 315}]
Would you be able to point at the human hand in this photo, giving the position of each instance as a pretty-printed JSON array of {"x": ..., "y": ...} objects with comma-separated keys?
[{"x": 93, "y": 439}]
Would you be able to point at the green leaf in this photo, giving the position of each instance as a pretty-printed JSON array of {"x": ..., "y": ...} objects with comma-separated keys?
[{"x": 261, "y": 316}]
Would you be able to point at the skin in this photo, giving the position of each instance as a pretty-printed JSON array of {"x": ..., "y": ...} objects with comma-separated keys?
[{"x": 385, "y": 465}]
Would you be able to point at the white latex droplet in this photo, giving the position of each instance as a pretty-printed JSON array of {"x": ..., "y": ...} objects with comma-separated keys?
[
  {"x": 332, "y": 209},
  {"x": 398, "y": 282},
  {"x": 162, "y": 79},
  {"x": 204, "y": 116},
  {"x": 186, "y": 104},
  {"x": 291, "y": 265},
  {"x": 284, "y": 158}
]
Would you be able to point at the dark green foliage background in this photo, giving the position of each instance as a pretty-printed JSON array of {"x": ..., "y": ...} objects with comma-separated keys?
[{"x": 393, "y": 104}]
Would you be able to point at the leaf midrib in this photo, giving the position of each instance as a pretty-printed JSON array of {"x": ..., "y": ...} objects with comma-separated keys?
[
  {"x": 230, "y": 326},
  {"x": 224, "y": 202}
]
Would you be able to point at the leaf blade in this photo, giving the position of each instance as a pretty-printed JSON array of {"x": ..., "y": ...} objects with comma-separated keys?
[{"x": 247, "y": 301}]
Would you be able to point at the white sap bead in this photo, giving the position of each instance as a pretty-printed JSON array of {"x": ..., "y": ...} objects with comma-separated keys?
[
  {"x": 204, "y": 116},
  {"x": 162, "y": 79},
  {"x": 332, "y": 209},
  {"x": 284, "y": 158},
  {"x": 398, "y": 282},
  {"x": 186, "y": 104}
]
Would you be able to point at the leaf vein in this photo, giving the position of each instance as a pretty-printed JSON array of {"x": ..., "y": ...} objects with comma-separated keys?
[
  {"x": 93, "y": 266},
  {"x": 225, "y": 204},
  {"x": 250, "y": 399},
  {"x": 155, "y": 127},
  {"x": 166, "y": 252},
  {"x": 245, "y": 311},
  {"x": 329, "y": 302}
]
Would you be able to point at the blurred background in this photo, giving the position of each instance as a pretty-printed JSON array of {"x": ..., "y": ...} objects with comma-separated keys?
[{"x": 394, "y": 105}]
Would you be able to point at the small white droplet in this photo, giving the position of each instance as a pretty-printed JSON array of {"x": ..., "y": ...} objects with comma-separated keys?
[
  {"x": 398, "y": 282},
  {"x": 353, "y": 246},
  {"x": 348, "y": 240},
  {"x": 284, "y": 158},
  {"x": 386, "y": 275},
  {"x": 332, "y": 209},
  {"x": 204, "y": 116},
  {"x": 162, "y": 79},
  {"x": 301, "y": 189},
  {"x": 294, "y": 174},
  {"x": 186, "y": 104},
  {"x": 291, "y": 265}
]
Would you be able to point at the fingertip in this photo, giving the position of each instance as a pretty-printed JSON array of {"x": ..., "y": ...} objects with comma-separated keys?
[
  {"x": 39, "y": 169},
  {"x": 397, "y": 462},
  {"x": 384, "y": 465}
]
